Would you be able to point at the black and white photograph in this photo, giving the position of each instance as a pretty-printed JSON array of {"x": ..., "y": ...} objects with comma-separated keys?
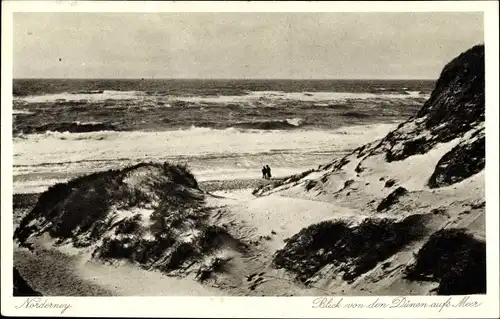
[{"x": 251, "y": 154}]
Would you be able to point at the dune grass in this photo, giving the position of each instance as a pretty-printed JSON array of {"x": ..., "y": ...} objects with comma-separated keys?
[
  {"x": 463, "y": 161},
  {"x": 77, "y": 205},
  {"x": 177, "y": 233},
  {"x": 354, "y": 249},
  {"x": 455, "y": 259}
]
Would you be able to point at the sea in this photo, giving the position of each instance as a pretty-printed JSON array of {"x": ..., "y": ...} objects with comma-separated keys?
[{"x": 222, "y": 129}]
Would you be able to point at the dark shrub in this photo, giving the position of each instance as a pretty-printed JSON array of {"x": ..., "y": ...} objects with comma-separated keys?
[
  {"x": 86, "y": 205},
  {"x": 180, "y": 174},
  {"x": 454, "y": 258},
  {"x": 461, "y": 162},
  {"x": 412, "y": 147},
  {"x": 81, "y": 204},
  {"x": 390, "y": 183},
  {"x": 23, "y": 201},
  {"x": 77, "y": 203},
  {"x": 360, "y": 247},
  {"x": 304, "y": 253},
  {"x": 181, "y": 253},
  {"x": 310, "y": 184},
  {"x": 129, "y": 225},
  {"x": 392, "y": 198},
  {"x": 147, "y": 252},
  {"x": 215, "y": 237},
  {"x": 216, "y": 265},
  {"x": 135, "y": 198},
  {"x": 116, "y": 248}
]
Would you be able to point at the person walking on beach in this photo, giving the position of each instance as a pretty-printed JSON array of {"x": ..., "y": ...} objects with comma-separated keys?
[
  {"x": 268, "y": 169},
  {"x": 264, "y": 172}
]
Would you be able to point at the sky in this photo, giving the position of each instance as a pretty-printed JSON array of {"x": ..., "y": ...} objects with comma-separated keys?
[{"x": 241, "y": 45}]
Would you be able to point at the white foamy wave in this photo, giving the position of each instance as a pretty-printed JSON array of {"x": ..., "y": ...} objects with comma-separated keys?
[
  {"x": 197, "y": 130},
  {"x": 14, "y": 112},
  {"x": 413, "y": 93},
  {"x": 295, "y": 121},
  {"x": 90, "y": 97},
  {"x": 293, "y": 96},
  {"x": 68, "y": 153},
  {"x": 96, "y": 136},
  {"x": 265, "y": 98}
]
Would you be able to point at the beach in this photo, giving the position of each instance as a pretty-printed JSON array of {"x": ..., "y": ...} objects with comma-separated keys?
[
  {"x": 74, "y": 273},
  {"x": 291, "y": 126},
  {"x": 223, "y": 130},
  {"x": 179, "y": 207}
]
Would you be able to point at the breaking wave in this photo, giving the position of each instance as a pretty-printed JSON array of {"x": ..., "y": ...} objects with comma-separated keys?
[
  {"x": 272, "y": 124},
  {"x": 88, "y": 92},
  {"x": 87, "y": 95},
  {"x": 250, "y": 96},
  {"x": 17, "y": 112},
  {"x": 70, "y": 127},
  {"x": 212, "y": 153}
]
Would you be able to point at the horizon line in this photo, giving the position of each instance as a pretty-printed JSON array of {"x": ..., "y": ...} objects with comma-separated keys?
[{"x": 224, "y": 79}]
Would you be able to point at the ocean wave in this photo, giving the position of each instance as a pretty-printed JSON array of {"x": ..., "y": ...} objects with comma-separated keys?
[
  {"x": 355, "y": 114},
  {"x": 89, "y": 96},
  {"x": 262, "y": 97},
  {"x": 88, "y": 92},
  {"x": 414, "y": 93},
  {"x": 56, "y": 154},
  {"x": 17, "y": 112},
  {"x": 202, "y": 141},
  {"x": 272, "y": 124},
  {"x": 69, "y": 127},
  {"x": 399, "y": 92}
]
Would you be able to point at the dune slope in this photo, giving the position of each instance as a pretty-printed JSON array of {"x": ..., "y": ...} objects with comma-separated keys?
[
  {"x": 421, "y": 192},
  {"x": 151, "y": 215}
]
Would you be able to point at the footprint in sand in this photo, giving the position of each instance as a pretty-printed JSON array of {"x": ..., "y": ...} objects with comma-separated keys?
[
  {"x": 249, "y": 278},
  {"x": 256, "y": 280}
]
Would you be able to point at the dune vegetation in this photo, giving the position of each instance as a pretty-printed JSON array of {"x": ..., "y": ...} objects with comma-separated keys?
[{"x": 404, "y": 214}]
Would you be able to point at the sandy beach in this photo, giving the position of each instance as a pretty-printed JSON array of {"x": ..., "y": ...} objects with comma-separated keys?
[
  {"x": 265, "y": 222},
  {"x": 74, "y": 273},
  {"x": 377, "y": 188}
]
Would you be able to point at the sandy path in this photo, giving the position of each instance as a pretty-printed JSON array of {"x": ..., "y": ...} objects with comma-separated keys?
[
  {"x": 278, "y": 217},
  {"x": 129, "y": 280},
  {"x": 267, "y": 222},
  {"x": 54, "y": 273}
]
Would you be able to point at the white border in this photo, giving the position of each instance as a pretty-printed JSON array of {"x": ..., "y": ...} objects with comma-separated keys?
[{"x": 266, "y": 307}]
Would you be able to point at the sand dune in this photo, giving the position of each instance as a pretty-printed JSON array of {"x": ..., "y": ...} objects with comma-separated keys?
[{"x": 402, "y": 215}]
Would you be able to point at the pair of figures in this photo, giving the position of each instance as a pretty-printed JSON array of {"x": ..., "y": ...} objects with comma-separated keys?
[{"x": 266, "y": 172}]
